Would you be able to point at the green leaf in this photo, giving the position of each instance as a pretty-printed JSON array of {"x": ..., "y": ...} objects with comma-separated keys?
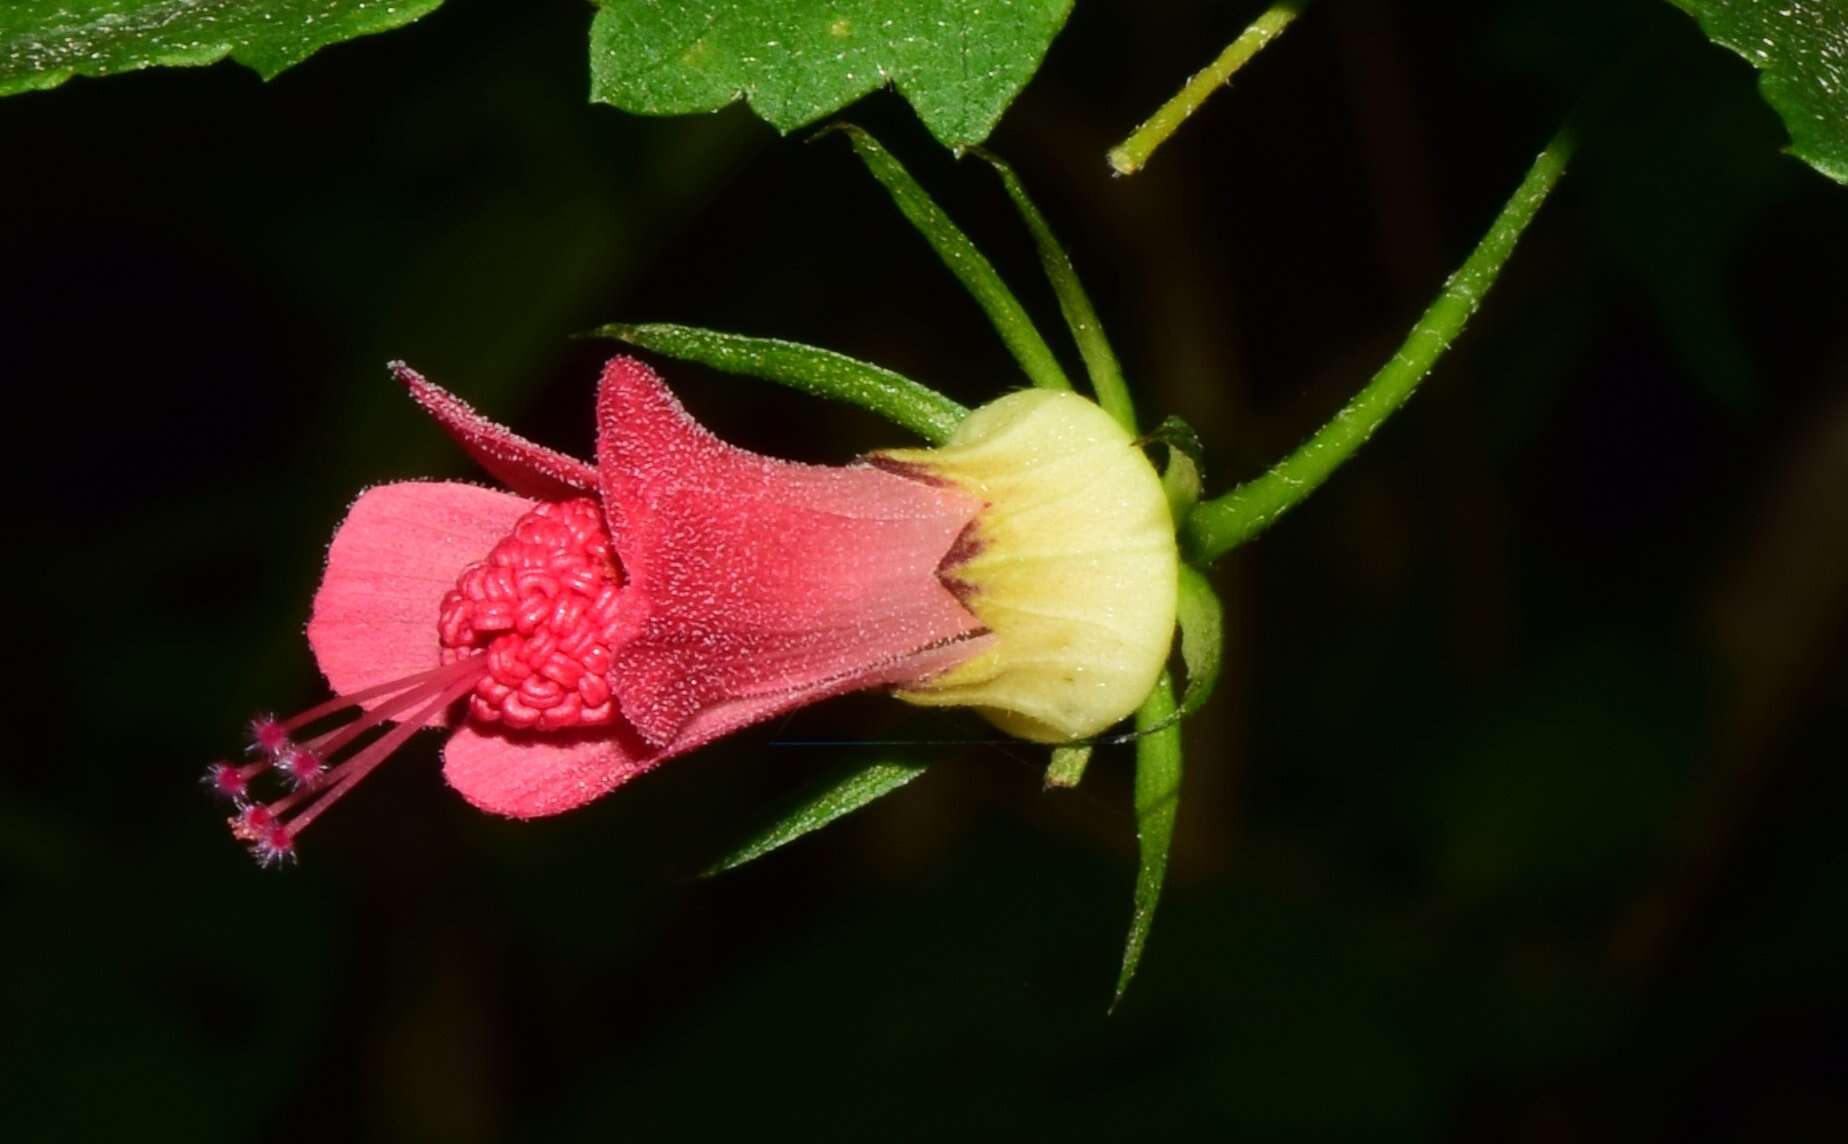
[
  {"x": 1067, "y": 767},
  {"x": 821, "y": 806},
  {"x": 45, "y": 42},
  {"x": 1800, "y": 48},
  {"x": 795, "y": 61},
  {"x": 818, "y": 372},
  {"x": 1158, "y": 797},
  {"x": 1100, "y": 361},
  {"x": 970, "y": 266}
]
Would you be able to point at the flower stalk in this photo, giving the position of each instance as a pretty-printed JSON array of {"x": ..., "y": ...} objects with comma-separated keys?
[
  {"x": 1217, "y": 526},
  {"x": 1133, "y": 153}
]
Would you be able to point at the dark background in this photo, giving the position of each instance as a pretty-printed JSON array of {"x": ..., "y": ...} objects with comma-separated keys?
[{"x": 1517, "y": 815}]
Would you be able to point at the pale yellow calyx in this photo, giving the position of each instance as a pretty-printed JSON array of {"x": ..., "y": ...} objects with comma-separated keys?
[{"x": 1072, "y": 564}]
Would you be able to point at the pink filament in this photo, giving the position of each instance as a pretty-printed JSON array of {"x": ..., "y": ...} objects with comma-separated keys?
[{"x": 271, "y": 828}]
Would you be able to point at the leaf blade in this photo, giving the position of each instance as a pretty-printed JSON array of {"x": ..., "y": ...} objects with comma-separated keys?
[
  {"x": 43, "y": 43},
  {"x": 798, "y": 61},
  {"x": 1798, "y": 47},
  {"x": 819, "y": 807},
  {"x": 808, "y": 369}
]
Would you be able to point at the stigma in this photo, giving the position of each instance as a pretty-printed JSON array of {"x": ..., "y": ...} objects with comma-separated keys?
[{"x": 523, "y": 641}]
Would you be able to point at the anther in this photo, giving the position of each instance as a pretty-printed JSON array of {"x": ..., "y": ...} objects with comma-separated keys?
[
  {"x": 300, "y": 767},
  {"x": 232, "y": 782},
  {"x": 268, "y": 736},
  {"x": 526, "y": 636}
]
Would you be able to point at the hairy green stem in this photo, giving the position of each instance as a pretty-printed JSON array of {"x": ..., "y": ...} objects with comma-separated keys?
[
  {"x": 1219, "y": 525},
  {"x": 1132, "y": 154}
]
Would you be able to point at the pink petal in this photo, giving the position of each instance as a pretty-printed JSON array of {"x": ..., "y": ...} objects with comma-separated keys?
[
  {"x": 531, "y": 776},
  {"x": 764, "y": 581},
  {"x": 399, "y": 549},
  {"x": 528, "y": 469}
]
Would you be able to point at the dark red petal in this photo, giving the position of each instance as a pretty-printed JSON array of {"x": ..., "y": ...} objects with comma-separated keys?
[
  {"x": 399, "y": 549},
  {"x": 528, "y": 469},
  {"x": 764, "y": 582}
]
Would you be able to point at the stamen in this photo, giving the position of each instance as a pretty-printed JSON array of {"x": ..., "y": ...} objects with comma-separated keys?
[
  {"x": 348, "y": 774},
  {"x": 274, "y": 846},
  {"x": 268, "y": 828},
  {"x": 232, "y": 782},
  {"x": 526, "y": 635},
  {"x": 354, "y": 699},
  {"x": 301, "y": 767},
  {"x": 420, "y": 685},
  {"x": 268, "y": 736}
]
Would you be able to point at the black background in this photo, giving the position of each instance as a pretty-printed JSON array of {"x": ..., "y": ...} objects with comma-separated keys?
[{"x": 1516, "y": 816}]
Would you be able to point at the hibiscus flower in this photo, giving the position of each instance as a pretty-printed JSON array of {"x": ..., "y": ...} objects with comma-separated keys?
[{"x": 590, "y": 623}]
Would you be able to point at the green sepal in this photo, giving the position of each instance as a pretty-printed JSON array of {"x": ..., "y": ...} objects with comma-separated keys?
[
  {"x": 1066, "y": 770},
  {"x": 814, "y": 371},
  {"x": 1158, "y": 795},
  {"x": 1100, "y": 361},
  {"x": 1185, "y": 474},
  {"x": 1201, "y": 620}
]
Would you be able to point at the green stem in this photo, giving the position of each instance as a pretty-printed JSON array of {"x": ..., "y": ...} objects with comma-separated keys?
[
  {"x": 1133, "y": 153},
  {"x": 1219, "y": 525}
]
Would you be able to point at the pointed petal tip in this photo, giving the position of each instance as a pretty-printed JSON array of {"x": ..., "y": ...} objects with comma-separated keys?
[{"x": 528, "y": 469}]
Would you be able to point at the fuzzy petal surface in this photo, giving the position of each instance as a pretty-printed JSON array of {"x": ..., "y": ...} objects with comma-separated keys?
[
  {"x": 399, "y": 549},
  {"x": 535, "y": 775},
  {"x": 528, "y": 469},
  {"x": 757, "y": 585}
]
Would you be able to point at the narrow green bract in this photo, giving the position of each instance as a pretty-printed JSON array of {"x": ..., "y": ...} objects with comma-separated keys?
[
  {"x": 1100, "y": 361},
  {"x": 45, "y": 42},
  {"x": 819, "y": 807},
  {"x": 1158, "y": 799},
  {"x": 970, "y": 265},
  {"x": 795, "y": 61},
  {"x": 818, "y": 372}
]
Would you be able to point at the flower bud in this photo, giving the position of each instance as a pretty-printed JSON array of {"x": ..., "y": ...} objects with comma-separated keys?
[{"x": 1072, "y": 563}]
